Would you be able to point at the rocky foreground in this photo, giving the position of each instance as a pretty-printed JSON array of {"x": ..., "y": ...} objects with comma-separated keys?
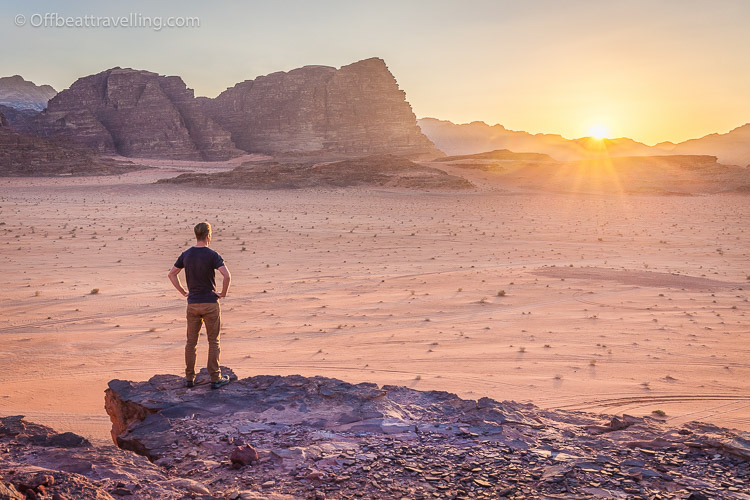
[{"x": 273, "y": 437}]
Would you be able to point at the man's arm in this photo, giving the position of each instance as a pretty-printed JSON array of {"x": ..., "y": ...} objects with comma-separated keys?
[
  {"x": 175, "y": 279},
  {"x": 225, "y": 284}
]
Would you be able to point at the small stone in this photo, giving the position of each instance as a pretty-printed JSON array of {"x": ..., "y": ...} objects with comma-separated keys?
[
  {"x": 243, "y": 455},
  {"x": 268, "y": 484},
  {"x": 41, "y": 479},
  {"x": 188, "y": 485}
]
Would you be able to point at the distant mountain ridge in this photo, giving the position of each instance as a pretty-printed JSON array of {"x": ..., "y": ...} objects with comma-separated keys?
[
  {"x": 732, "y": 148},
  {"x": 17, "y": 93}
]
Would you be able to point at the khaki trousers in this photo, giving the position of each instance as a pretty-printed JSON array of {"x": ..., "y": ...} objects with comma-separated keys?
[{"x": 197, "y": 314}]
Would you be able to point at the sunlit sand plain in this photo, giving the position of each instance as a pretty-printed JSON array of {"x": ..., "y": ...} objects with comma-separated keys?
[{"x": 606, "y": 303}]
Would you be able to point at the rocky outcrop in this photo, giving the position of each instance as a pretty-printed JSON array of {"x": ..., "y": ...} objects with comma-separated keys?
[
  {"x": 17, "y": 93},
  {"x": 38, "y": 462},
  {"x": 286, "y": 438},
  {"x": 297, "y": 437},
  {"x": 136, "y": 114},
  {"x": 29, "y": 155},
  {"x": 357, "y": 109},
  {"x": 500, "y": 154},
  {"x": 379, "y": 170}
]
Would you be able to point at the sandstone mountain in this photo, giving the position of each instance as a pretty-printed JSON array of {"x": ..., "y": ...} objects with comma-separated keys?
[
  {"x": 357, "y": 109},
  {"x": 15, "y": 92},
  {"x": 29, "y": 155},
  {"x": 137, "y": 114}
]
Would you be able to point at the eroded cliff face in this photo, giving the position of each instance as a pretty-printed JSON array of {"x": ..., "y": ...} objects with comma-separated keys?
[
  {"x": 29, "y": 155},
  {"x": 352, "y": 111},
  {"x": 136, "y": 114},
  {"x": 357, "y": 109}
]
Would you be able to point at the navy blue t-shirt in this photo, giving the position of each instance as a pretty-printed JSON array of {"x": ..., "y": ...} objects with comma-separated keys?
[{"x": 199, "y": 264}]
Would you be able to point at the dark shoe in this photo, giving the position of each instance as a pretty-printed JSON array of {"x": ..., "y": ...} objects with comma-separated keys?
[
  {"x": 224, "y": 380},
  {"x": 189, "y": 384}
]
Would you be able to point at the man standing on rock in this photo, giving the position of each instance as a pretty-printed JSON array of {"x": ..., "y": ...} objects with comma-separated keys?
[{"x": 200, "y": 263}]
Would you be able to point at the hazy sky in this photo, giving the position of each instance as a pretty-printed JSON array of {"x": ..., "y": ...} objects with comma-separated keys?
[{"x": 651, "y": 70}]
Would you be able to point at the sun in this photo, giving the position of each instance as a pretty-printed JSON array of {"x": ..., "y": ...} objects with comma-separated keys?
[{"x": 598, "y": 132}]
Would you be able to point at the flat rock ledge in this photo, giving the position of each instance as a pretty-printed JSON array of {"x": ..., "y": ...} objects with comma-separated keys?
[{"x": 294, "y": 437}]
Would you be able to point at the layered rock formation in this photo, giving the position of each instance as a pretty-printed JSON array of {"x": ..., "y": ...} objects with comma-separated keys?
[
  {"x": 137, "y": 114},
  {"x": 17, "y": 93},
  {"x": 318, "y": 437},
  {"x": 41, "y": 463},
  {"x": 286, "y": 438},
  {"x": 357, "y": 109},
  {"x": 29, "y": 155},
  {"x": 378, "y": 170}
]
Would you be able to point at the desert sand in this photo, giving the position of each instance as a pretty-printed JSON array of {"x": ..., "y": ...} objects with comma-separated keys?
[{"x": 605, "y": 303}]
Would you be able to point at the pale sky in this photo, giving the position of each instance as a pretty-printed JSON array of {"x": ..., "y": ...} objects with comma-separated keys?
[{"x": 652, "y": 70}]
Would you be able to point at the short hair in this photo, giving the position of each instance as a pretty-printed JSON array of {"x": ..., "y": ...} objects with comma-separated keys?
[{"x": 202, "y": 230}]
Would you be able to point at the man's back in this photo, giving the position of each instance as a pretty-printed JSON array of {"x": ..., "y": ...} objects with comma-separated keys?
[{"x": 200, "y": 264}]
